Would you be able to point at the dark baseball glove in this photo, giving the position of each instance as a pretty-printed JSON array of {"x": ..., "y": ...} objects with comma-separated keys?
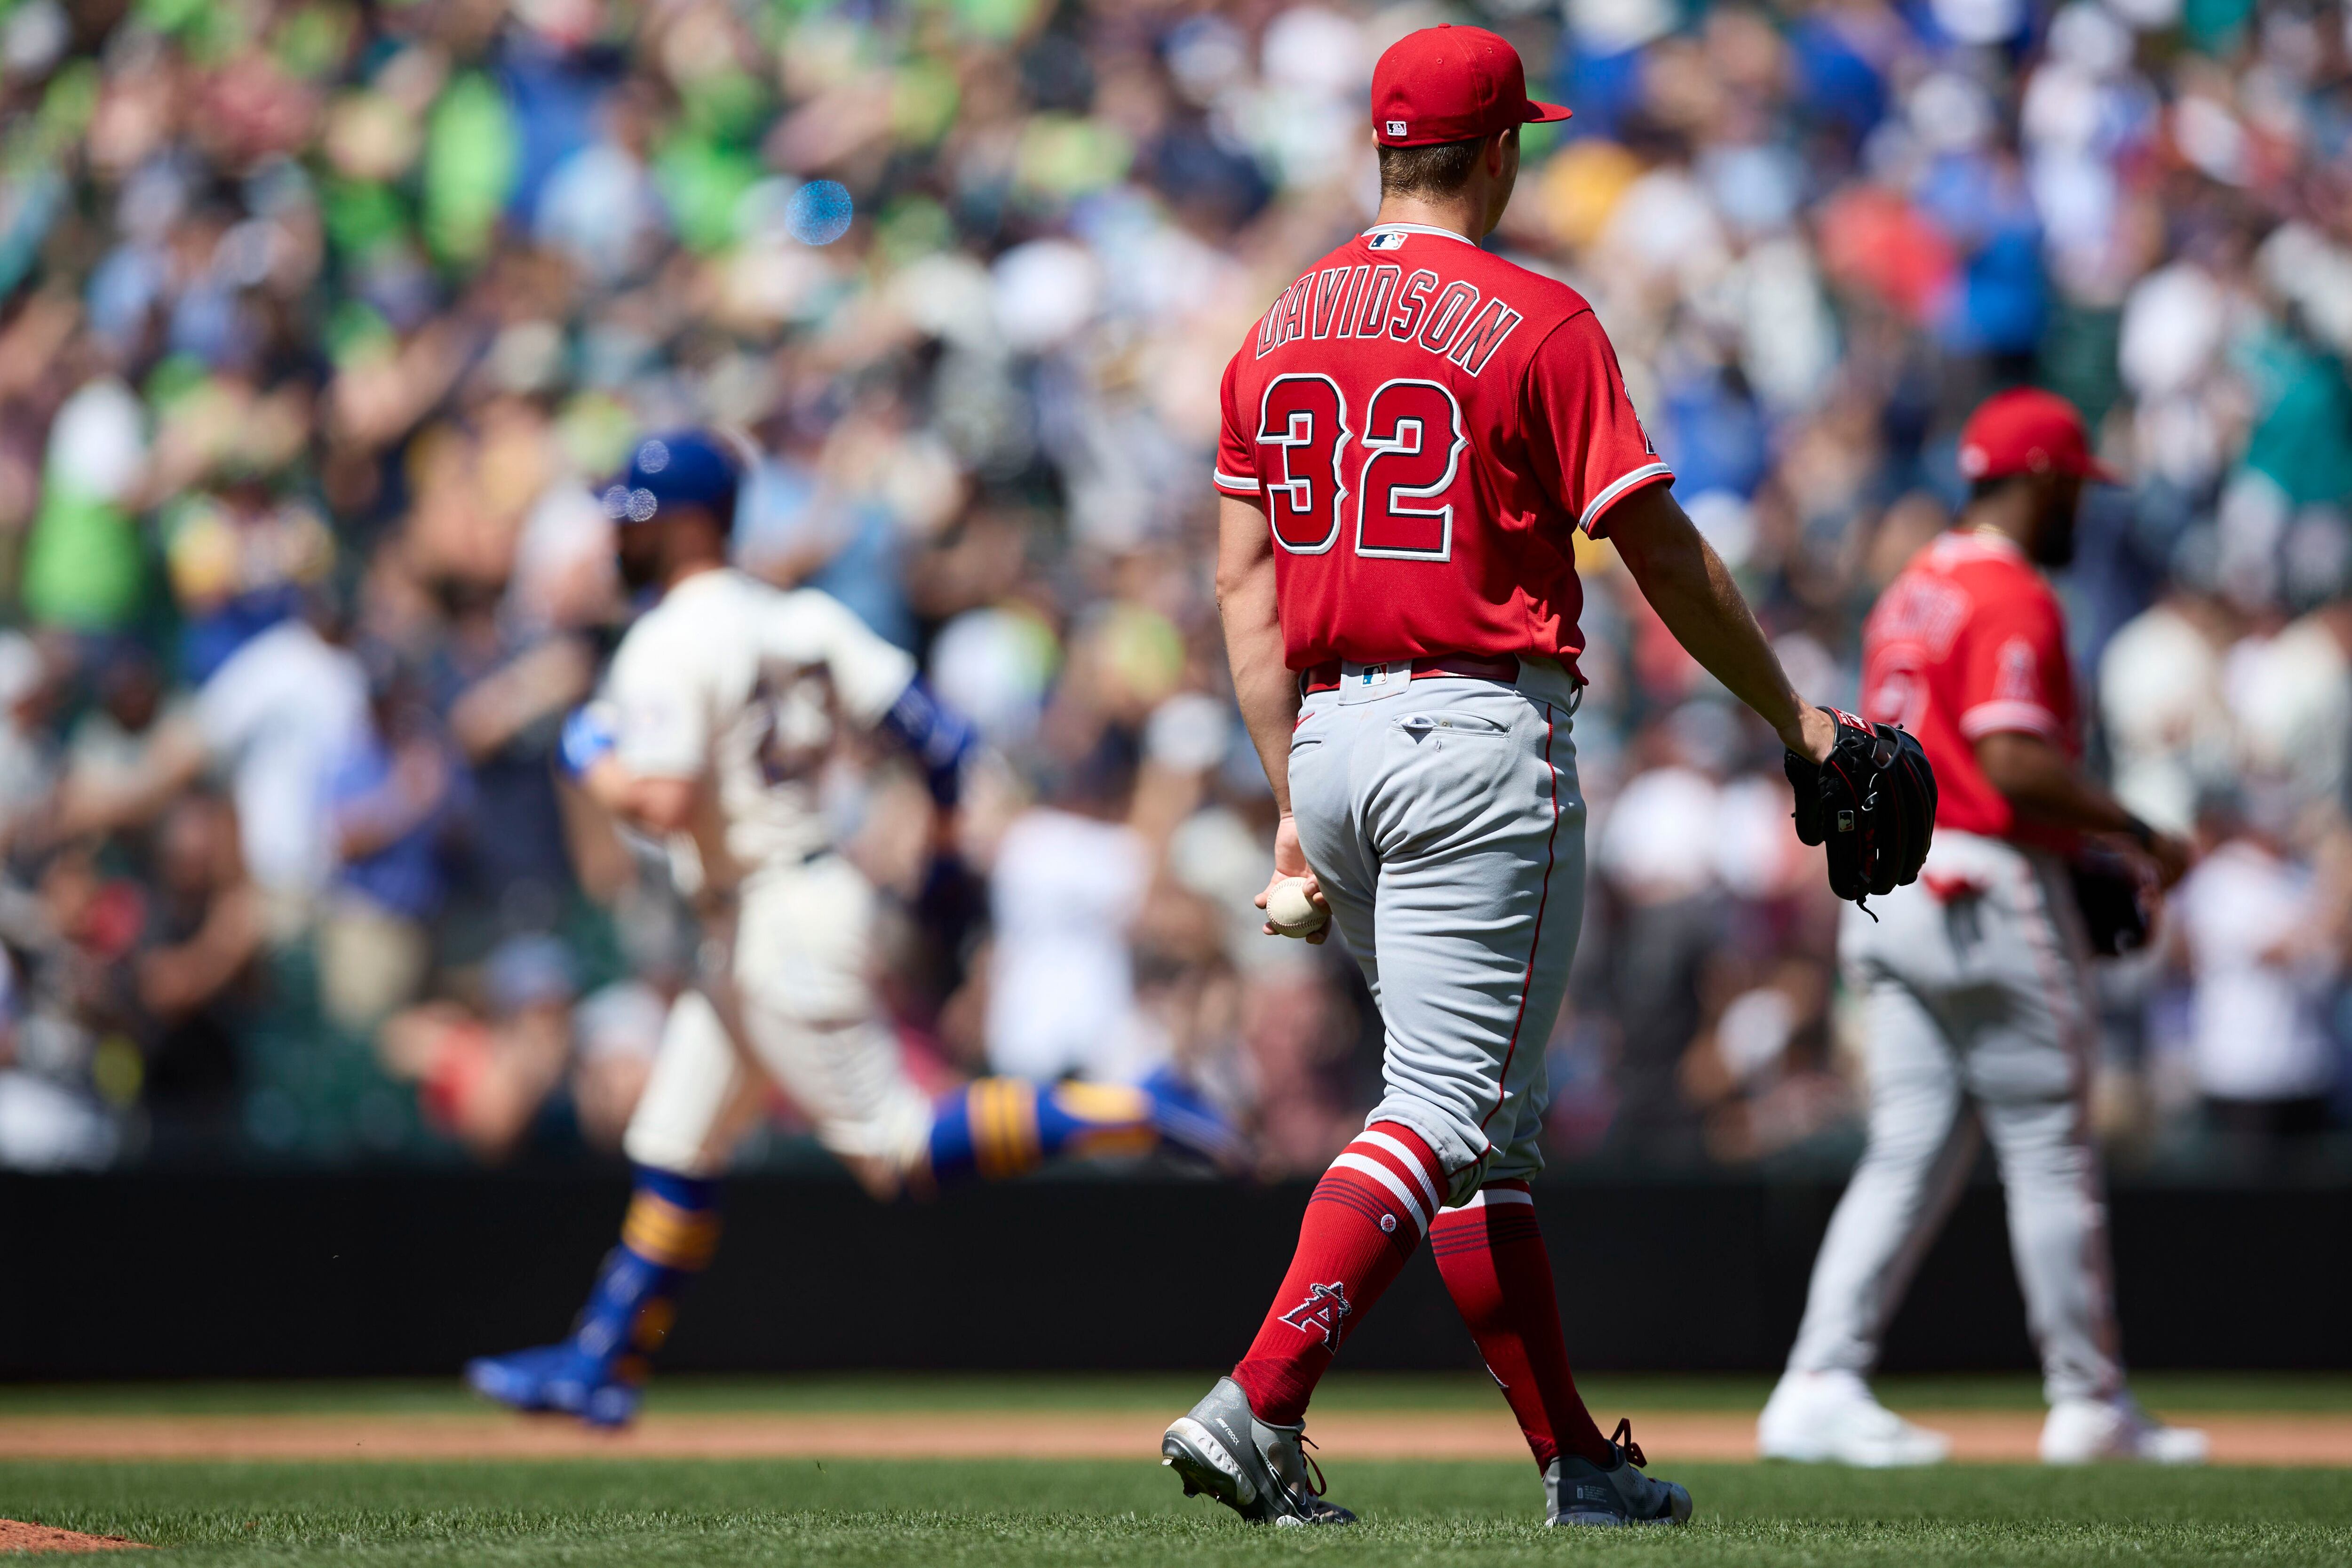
[
  {"x": 2115, "y": 900},
  {"x": 1873, "y": 803}
]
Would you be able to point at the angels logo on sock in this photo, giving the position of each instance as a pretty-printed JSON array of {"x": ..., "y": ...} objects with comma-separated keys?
[{"x": 1324, "y": 1311}]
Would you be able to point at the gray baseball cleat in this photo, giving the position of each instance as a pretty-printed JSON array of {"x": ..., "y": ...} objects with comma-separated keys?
[
  {"x": 1578, "y": 1491},
  {"x": 1254, "y": 1468}
]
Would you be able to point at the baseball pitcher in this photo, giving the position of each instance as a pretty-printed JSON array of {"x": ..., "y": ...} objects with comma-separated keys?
[
  {"x": 1411, "y": 435},
  {"x": 720, "y": 709},
  {"x": 1981, "y": 1023}
]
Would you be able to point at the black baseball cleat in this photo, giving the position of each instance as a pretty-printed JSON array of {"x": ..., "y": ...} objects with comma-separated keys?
[
  {"x": 1578, "y": 1491},
  {"x": 1257, "y": 1470}
]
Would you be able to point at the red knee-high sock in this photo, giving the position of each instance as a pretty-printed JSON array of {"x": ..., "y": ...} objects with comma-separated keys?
[
  {"x": 1498, "y": 1273},
  {"x": 1364, "y": 1220}
]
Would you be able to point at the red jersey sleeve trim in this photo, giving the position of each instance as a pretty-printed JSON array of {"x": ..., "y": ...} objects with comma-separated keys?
[
  {"x": 1234, "y": 484},
  {"x": 2008, "y": 714},
  {"x": 1618, "y": 489}
]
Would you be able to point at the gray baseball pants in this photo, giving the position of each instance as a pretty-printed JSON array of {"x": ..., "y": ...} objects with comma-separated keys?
[
  {"x": 1443, "y": 820},
  {"x": 1981, "y": 1023}
]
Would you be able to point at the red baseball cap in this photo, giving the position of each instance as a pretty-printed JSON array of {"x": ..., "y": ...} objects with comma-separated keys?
[
  {"x": 2028, "y": 431},
  {"x": 1448, "y": 84}
]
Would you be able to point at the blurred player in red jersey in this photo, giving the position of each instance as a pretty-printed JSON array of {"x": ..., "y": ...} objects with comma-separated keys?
[
  {"x": 1977, "y": 975},
  {"x": 1411, "y": 435}
]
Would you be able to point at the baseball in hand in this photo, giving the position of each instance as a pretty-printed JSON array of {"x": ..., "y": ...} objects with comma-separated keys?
[{"x": 1290, "y": 911}]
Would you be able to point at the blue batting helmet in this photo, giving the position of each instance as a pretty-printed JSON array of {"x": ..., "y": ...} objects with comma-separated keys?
[{"x": 680, "y": 468}]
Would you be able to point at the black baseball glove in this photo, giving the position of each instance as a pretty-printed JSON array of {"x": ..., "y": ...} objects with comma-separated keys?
[
  {"x": 2116, "y": 901},
  {"x": 1873, "y": 803}
]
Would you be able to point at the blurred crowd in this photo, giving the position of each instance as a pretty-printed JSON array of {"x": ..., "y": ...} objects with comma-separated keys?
[{"x": 320, "y": 320}]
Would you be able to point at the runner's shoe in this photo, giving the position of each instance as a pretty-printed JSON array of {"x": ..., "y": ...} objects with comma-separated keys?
[{"x": 560, "y": 1377}]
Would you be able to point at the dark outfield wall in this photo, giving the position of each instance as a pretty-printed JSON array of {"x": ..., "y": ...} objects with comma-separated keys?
[{"x": 166, "y": 1276}]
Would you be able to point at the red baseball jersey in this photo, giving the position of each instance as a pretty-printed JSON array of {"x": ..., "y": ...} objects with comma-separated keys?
[
  {"x": 1424, "y": 424},
  {"x": 1968, "y": 641}
]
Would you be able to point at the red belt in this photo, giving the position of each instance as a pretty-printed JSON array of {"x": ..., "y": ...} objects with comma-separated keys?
[{"x": 1325, "y": 676}]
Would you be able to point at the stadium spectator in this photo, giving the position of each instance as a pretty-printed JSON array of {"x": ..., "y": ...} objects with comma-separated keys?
[
  {"x": 2254, "y": 927},
  {"x": 308, "y": 305},
  {"x": 390, "y": 801},
  {"x": 191, "y": 976}
]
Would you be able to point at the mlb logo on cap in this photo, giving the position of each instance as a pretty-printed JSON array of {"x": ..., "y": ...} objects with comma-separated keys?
[{"x": 1449, "y": 84}]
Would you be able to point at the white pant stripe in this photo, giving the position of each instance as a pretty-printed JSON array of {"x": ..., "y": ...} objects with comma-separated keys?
[{"x": 1411, "y": 1161}]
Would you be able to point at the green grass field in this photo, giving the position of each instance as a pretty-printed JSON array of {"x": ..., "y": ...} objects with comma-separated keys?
[
  {"x": 582, "y": 1514},
  {"x": 587, "y": 1514}
]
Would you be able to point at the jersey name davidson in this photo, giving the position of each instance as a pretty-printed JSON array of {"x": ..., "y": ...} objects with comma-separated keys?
[{"x": 1449, "y": 320}]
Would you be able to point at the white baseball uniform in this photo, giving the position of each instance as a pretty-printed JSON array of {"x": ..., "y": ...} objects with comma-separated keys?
[{"x": 731, "y": 681}]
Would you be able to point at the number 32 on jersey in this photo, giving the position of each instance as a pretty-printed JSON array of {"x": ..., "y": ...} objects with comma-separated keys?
[{"x": 1386, "y": 478}]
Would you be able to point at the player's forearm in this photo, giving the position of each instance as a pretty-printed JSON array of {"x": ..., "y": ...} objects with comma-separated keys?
[
  {"x": 1269, "y": 704},
  {"x": 655, "y": 805},
  {"x": 2041, "y": 786},
  {"x": 589, "y": 755},
  {"x": 1264, "y": 685},
  {"x": 1266, "y": 691},
  {"x": 942, "y": 739},
  {"x": 1689, "y": 586}
]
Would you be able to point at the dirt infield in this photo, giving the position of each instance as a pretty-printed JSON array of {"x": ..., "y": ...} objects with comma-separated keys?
[
  {"x": 15, "y": 1535},
  {"x": 1667, "y": 1436}
]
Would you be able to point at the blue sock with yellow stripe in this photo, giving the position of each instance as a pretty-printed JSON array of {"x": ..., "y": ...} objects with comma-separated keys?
[
  {"x": 1001, "y": 1127},
  {"x": 669, "y": 1237}
]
